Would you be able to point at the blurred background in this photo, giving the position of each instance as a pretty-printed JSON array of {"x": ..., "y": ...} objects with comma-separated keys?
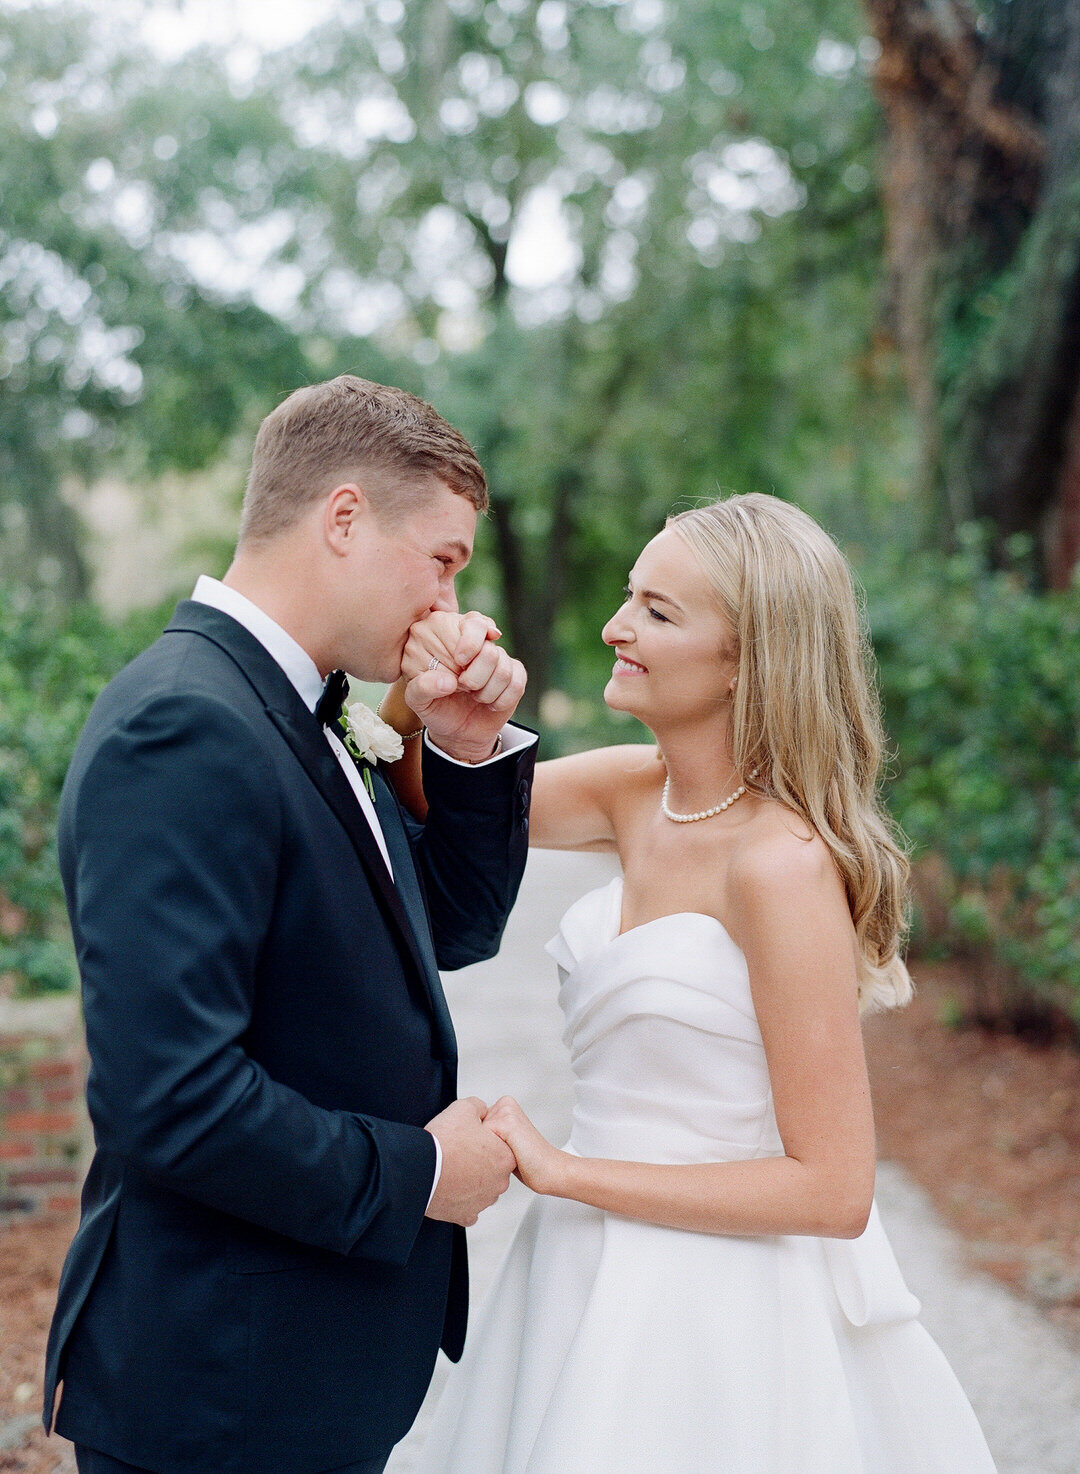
[{"x": 642, "y": 252}]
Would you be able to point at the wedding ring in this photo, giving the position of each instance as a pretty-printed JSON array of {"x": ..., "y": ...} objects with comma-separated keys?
[{"x": 434, "y": 664}]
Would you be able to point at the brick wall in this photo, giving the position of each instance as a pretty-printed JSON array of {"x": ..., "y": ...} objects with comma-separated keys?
[{"x": 44, "y": 1133}]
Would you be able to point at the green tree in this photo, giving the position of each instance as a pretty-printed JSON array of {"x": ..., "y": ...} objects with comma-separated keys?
[
  {"x": 701, "y": 176},
  {"x": 629, "y": 247},
  {"x": 983, "y": 184},
  {"x": 110, "y": 350}
]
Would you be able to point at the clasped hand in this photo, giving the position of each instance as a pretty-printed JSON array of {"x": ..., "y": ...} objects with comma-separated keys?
[
  {"x": 467, "y": 699},
  {"x": 540, "y": 1165},
  {"x": 481, "y": 1147}
]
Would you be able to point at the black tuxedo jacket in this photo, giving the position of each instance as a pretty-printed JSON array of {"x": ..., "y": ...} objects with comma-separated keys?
[{"x": 254, "y": 1287}]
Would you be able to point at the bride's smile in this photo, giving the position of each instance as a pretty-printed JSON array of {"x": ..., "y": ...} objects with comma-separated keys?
[{"x": 669, "y": 630}]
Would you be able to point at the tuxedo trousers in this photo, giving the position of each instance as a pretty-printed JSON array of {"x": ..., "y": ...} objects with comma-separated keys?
[{"x": 92, "y": 1462}]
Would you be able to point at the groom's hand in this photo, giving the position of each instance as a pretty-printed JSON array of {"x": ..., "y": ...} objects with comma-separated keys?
[
  {"x": 468, "y": 697},
  {"x": 476, "y": 1164}
]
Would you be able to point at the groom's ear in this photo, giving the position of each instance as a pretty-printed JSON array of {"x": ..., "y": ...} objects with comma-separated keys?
[{"x": 345, "y": 511}]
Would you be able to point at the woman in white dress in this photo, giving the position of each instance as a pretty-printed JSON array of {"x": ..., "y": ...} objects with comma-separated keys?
[{"x": 702, "y": 1285}]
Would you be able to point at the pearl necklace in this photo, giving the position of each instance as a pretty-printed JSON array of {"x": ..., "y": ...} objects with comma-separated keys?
[{"x": 705, "y": 813}]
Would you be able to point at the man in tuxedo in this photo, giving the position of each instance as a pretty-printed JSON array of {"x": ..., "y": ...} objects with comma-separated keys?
[{"x": 271, "y": 1247}]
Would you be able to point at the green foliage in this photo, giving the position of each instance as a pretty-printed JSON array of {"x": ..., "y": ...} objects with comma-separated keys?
[
  {"x": 1001, "y": 312},
  {"x": 981, "y": 682},
  {"x": 112, "y": 352},
  {"x": 53, "y": 662},
  {"x": 707, "y": 177}
]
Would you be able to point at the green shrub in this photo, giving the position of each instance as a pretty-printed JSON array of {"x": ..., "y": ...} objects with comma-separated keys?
[
  {"x": 981, "y": 681},
  {"x": 53, "y": 662}
]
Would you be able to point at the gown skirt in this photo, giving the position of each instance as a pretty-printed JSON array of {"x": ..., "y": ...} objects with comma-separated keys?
[{"x": 611, "y": 1346}]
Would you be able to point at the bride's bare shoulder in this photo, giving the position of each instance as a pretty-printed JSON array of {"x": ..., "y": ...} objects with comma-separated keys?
[
  {"x": 633, "y": 760},
  {"x": 578, "y": 800},
  {"x": 628, "y": 771},
  {"x": 777, "y": 852},
  {"x": 631, "y": 763}
]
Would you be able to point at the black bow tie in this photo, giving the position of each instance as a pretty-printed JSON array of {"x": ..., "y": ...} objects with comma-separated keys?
[{"x": 332, "y": 701}]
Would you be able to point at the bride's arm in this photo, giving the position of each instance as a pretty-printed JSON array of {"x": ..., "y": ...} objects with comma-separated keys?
[
  {"x": 795, "y": 930},
  {"x": 405, "y": 775},
  {"x": 576, "y": 799}
]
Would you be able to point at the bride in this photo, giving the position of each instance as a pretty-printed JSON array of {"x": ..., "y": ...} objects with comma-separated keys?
[{"x": 702, "y": 1284}]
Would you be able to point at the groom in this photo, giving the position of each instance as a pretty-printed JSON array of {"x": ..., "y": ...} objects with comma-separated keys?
[{"x": 271, "y": 1247}]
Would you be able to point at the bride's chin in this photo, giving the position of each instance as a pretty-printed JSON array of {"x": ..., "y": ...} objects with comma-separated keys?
[{"x": 615, "y": 696}]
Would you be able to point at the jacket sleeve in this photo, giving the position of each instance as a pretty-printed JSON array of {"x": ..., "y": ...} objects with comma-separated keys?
[
  {"x": 169, "y": 850},
  {"x": 472, "y": 849}
]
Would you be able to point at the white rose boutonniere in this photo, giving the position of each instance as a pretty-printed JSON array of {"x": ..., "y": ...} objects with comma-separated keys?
[{"x": 370, "y": 739}]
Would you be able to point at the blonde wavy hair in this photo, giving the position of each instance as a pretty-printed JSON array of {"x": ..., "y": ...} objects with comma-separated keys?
[{"x": 806, "y": 712}]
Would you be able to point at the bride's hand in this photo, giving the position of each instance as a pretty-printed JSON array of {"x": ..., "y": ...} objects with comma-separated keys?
[
  {"x": 459, "y": 683},
  {"x": 540, "y": 1165},
  {"x": 450, "y": 638}
]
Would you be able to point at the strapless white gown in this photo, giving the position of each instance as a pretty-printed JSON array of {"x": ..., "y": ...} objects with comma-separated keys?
[{"x": 609, "y": 1346}]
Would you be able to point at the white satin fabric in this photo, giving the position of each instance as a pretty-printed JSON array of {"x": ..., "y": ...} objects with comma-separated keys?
[{"x": 609, "y": 1346}]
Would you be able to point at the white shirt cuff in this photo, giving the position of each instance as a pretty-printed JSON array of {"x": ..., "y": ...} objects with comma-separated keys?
[
  {"x": 513, "y": 738},
  {"x": 438, "y": 1167}
]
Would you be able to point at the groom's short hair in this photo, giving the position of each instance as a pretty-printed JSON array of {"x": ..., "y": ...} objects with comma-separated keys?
[{"x": 350, "y": 428}]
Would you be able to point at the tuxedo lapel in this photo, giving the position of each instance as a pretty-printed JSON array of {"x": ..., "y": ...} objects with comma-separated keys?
[
  {"x": 308, "y": 742},
  {"x": 408, "y": 886}
]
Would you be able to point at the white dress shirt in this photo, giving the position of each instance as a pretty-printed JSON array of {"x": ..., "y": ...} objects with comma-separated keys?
[{"x": 301, "y": 671}]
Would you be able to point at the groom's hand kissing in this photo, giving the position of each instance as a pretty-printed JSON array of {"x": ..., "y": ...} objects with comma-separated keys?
[
  {"x": 476, "y": 1164},
  {"x": 468, "y": 696}
]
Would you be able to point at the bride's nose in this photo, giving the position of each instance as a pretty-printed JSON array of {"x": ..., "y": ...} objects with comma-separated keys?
[{"x": 616, "y": 632}]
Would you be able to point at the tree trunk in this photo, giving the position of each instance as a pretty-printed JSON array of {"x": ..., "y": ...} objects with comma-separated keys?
[
  {"x": 533, "y": 586},
  {"x": 1064, "y": 532},
  {"x": 982, "y": 192}
]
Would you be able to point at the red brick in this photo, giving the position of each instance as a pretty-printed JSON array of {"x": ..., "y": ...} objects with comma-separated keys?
[
  {"x": 43, "y": 1177},
  {"x": 16, "y": 1099},
  {"x": 61, "y": 1203},
  {"x": 42, "y": 1123},
  {"x": 13, "y": 1151},
  {"x": 54, "y": 1069},
  {"x": 61, "y": 1094}
]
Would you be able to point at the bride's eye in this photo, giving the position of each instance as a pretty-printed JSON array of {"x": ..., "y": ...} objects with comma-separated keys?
[{"x": 657, "y": 615}]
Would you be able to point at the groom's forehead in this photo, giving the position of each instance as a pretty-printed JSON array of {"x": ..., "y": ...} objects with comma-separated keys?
[{"x": 450, "y": 520}]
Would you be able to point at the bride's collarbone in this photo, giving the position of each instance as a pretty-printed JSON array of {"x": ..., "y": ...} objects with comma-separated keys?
[
  {"x": 664, "y": 881},
  {"x": 675, "y": 869}
]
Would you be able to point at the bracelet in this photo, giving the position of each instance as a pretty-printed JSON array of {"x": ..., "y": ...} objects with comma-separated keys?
[
  {"x": 495, "y": 752},
  {"x": 408, "y": 736}
]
